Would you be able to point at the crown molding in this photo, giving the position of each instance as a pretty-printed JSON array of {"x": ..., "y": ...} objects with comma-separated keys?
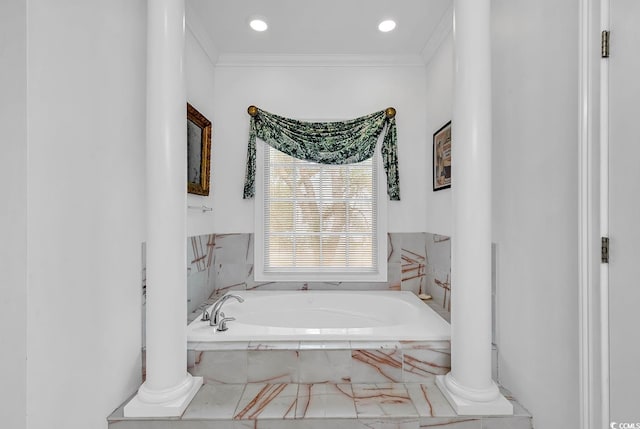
[
  {"x": 198, "y": 30},
  {"x": 320, "y": 60},
  {"x": 442, "y": 30}
]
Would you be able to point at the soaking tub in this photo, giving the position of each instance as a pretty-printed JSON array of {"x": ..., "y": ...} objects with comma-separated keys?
[{"x": 325, "y": 316}]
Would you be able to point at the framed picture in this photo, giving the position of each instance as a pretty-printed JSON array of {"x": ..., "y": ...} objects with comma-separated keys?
[
  {"x": 198, "y": 152},
  {"x": 442, "y": 158}
]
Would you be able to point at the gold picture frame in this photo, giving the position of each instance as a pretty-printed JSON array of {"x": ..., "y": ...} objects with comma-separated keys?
[{"x": 198, "y": 152}]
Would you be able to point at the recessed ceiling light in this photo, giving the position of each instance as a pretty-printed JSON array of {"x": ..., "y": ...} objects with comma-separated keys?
[
  {"x": 258, "y": 24},
  {"x": 387, "y": 25}
]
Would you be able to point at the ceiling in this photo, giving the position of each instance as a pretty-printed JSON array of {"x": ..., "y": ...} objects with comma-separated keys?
[{"x": 327, "y": 27}]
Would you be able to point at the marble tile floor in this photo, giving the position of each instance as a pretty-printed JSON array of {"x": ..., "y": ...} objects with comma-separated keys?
[{"x": 326, "y": 405}]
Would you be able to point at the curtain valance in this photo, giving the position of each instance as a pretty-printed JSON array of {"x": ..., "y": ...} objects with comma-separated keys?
[{"x": 345, "y": 142}]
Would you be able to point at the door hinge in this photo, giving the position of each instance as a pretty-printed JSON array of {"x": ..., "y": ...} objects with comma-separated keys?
[
  {"x": 604, "y": 44},
  {"x": 604, "y": 252}
]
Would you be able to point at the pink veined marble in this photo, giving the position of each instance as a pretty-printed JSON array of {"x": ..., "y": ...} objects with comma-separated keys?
[{"x": 325, "y": 316}]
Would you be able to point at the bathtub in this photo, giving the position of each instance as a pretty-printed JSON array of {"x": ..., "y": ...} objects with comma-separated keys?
[{"x": 325, "y": 316}]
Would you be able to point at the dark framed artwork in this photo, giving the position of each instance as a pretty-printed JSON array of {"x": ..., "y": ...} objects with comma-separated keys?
[
  {"x": 198, "y": 152},
  {"x": 442, "y": 158}
]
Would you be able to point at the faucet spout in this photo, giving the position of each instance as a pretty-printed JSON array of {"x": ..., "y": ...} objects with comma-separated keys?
[{"x": 215, "y": 312}]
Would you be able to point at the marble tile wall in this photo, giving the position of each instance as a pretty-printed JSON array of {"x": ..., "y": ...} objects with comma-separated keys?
[
  {"x": 200, "y": 276},
  {"x": 419, "y": 262}
]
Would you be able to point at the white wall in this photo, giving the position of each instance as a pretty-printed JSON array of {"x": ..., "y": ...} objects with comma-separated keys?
[
  {"x": 13, "y": 213},
  {"x": 535, "y": 201},
  {"x": 439, "y": 104},
  {"x": 318, "y": 92},
  {"x": 199, "y": 71},
  {"x": 86, "y": 173}
]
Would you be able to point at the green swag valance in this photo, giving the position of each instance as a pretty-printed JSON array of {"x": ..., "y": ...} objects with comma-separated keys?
[{"x": 344, "y": 142}]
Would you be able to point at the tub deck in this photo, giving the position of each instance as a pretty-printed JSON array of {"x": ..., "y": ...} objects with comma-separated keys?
[{"x": 269, "y": 316}]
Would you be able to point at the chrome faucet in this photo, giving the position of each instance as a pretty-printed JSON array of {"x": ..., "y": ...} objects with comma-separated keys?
[
  {"x": 216, "y": 314},
  {"x": 205, "y": 314},
  {"x": 222, "y": 326}
]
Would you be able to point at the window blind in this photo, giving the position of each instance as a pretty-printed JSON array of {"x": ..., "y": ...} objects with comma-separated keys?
[{"x": 319, "y": 218}]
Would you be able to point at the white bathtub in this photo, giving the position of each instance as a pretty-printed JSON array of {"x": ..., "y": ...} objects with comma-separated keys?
[{"x": 325, "y": 316}]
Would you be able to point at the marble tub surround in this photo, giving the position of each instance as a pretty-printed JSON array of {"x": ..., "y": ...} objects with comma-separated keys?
[
  {"x": 326, "y": 365},
  {"x": 319, "y": 362},
  {"x": 218, "y": 263},
  {"x": 423, "y": 360},
  {"x": 376, "y": 365},
  {"x": 272, "y": 366},
  {"x": 326, "y": 405}
]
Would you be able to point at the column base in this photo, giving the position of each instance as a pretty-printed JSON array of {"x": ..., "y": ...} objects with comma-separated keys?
[
  {"x": 499, "y": 406},
  {"x": 137, "y": 407}
]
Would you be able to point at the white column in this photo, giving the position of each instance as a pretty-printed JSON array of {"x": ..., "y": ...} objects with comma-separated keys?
[
  {"x": 469, "y": 387},
  {"x": 168, "y": 388}
]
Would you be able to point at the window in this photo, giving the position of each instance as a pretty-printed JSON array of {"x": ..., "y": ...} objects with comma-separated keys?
[{"x": 318, "y": 222}]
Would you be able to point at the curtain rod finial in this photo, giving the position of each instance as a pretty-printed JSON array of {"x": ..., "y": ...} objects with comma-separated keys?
[
  {"x": 252, "y": 110},
  {"x": 390, "y": 112}
]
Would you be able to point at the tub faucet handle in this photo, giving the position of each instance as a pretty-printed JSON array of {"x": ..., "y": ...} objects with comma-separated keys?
[
  {"x": 222, "y": 326},
  {"x": 205, "y": 314}
]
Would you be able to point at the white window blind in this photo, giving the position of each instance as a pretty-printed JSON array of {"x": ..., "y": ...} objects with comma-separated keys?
[{"x": 319, "y": 218}]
